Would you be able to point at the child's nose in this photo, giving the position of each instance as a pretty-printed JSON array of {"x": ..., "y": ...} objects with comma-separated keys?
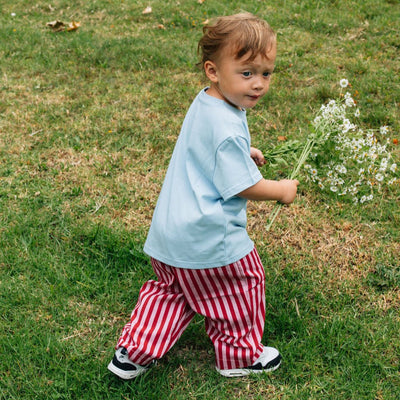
[{"x": 258, "y": 83}]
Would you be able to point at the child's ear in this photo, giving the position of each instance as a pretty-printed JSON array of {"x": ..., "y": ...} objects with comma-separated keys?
[{"x": 210, "y": 69}]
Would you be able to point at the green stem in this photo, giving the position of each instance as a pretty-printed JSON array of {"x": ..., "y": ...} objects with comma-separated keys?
[
  {"x": 302, "y": 159},
  {"x": 273, "y": 215}
]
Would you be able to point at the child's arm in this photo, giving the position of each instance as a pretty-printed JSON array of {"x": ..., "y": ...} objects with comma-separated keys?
[{"x": 283, "y": 191}]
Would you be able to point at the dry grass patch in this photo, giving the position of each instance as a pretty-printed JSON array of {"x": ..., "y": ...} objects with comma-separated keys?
[
  {"x": 301, "y": 230},
  {"x": 94, "y": 322},
  {"x": 101, "y": 180}
]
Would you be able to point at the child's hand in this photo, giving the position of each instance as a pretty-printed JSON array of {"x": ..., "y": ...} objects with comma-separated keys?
[
  {"x": 289, "y": 190},
  {"x": 257, "y": 156}
]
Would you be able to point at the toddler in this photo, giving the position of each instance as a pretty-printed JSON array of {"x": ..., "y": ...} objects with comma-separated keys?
[{"x": 200, "y": 251}]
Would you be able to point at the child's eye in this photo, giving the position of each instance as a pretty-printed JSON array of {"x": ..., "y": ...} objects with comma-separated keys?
[
  {"x": 246, "y": 74},
  {"x": 266, "y": 74}
]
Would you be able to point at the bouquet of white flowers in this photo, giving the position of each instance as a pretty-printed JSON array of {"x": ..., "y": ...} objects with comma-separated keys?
[{"x": 344, "y": 158}]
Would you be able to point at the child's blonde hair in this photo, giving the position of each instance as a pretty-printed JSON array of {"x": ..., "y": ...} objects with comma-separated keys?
[{"x": 244, "y": 33}]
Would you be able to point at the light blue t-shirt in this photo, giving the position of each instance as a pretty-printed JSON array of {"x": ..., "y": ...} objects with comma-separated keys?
[{"x": 199, "y": 222}]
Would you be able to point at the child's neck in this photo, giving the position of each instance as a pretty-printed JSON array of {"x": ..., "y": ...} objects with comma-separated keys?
[{"x": 215, "y": 91}]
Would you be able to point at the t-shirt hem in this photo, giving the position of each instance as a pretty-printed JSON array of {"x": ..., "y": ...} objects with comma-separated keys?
[{"x": 199, "y": 265}]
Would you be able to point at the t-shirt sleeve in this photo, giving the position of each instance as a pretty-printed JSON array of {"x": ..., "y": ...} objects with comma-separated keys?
[{"x": 235, "y": 170}]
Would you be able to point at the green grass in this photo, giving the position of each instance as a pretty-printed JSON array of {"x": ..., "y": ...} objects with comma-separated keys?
[{"x": 88, "y": 121}]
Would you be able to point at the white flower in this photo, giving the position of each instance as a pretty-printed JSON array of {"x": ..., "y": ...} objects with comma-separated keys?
[
  {"x": 341, "y": 169},
  {"x": 357, "y": 112},
  {"x": 353, "y": 189},
  {"x": 393, "y": 167},
  {"x": 384, "y": 164},
  {"x": 350, "y": 102},
  {"x": 317, "y": 119},
  {"x": 347, "y": 125},
  {"x": 379, "y": 177},
  {"x": 334, "y": 188},
  {"x": 384, "y": 130},
  {"x": 357, "y": 146},
  {"x": 366, "y": 198},
  {"x": 344, "y": 83},
  {"x": 363, "y": 199}
]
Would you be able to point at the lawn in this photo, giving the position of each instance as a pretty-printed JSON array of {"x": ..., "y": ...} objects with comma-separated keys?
[{"x": 88, "y": 122}]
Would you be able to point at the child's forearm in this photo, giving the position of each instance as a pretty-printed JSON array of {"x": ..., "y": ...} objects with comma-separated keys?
[{"x": 283, "y": 191}]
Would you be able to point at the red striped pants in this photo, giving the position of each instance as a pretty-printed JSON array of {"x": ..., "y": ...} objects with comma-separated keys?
[{"x": 231, "y": 298}]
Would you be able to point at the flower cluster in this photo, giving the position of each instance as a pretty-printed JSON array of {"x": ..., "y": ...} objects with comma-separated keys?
[
  {"x": 343, "y": 158},
  {"x": 348, "y": 160}
]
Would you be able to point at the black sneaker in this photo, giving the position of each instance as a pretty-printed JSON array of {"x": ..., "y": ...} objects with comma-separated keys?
[
  {"x": 269, "y": 360},
  {"x": 123, "y": 367}
]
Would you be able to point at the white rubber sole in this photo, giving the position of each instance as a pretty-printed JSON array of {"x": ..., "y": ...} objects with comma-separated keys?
[
  {"x": 126, "y": 374},
  {"x": 270, "y": 358},
  {"x": 234, "y": 373}
]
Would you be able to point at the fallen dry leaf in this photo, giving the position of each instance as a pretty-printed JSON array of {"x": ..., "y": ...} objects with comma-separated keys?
[
  {"x": 147, "y": 10},
  {"x": 73, "y": 26},
  {"x": 282, "y": 138},
  {"x": 56, "y": 26},
  {"x": 59, "y": 26}
]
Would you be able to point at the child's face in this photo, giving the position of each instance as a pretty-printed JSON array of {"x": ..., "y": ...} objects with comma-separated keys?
[{"x": 240, "y": 82}]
